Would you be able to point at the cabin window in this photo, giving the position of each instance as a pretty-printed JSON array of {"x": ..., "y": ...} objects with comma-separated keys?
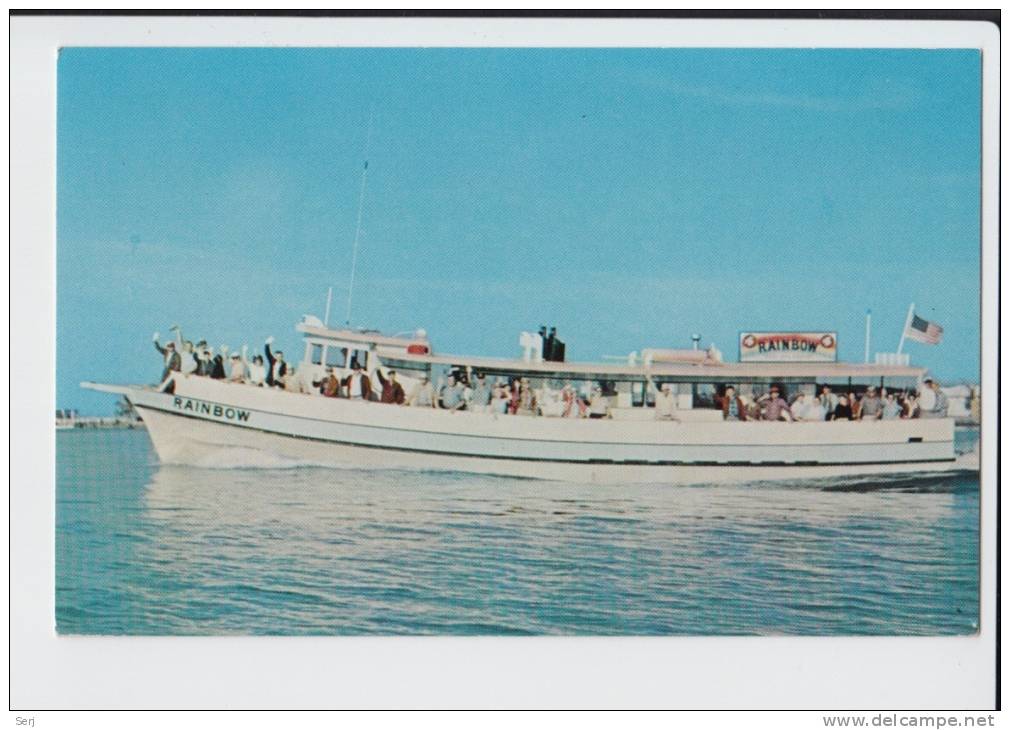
[
  {"x": 639, "y": 394},
  {"x": 336, "y": 357},
  {"x": 360, "y": 357},
  {"x": 704, "y": 396},
  {"x": 317, "y": 354}
]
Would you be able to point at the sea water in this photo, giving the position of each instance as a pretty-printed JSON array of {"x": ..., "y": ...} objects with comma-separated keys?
[{"x": 149, "y": 549}]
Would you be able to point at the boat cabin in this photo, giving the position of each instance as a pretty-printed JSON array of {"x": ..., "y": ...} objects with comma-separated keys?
[{"x": 696, "y": 377}]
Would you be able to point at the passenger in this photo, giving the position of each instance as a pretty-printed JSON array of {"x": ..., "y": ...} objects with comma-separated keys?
[
  {"x": 217, "y": 369},
  {"x": 854, "y": 405},
  {"x": 800, "y": 407},
  {"x": 257, "y": 372},
  {"x": 357, "y": 385},
  {"x": 550, "y": 402},
  {"x": 392, "y": 391},
  {"x": 829, "y": 401},
  {"x": 843, "y": 411},
  {"x": 527, "y": 404},
  {"x": 940, "y": 404},
  {"x": 278, "y": 368},
  {"x": 815, "y": 411},
  {"x": 205, "y": 362},
  {"x": 480, "y": 401},
  {"x": 189, "y": 363},
  {"x": 464, "y": 381},
  {"x": 870, "y": 406},
  {"x": 598, "y": 403},
  {"x": 424, "y": 395},
  {"x": 515, "y": 388},
  {"x": 329, "y": 386},
  {"x": 774, "y": 406},
  {"x": 500, "y": 398},
  {"x": 238, "y": 369},
  {"x": 292, "y": 382},
  {"x": 891, "y": 409},
  {"x": 573, "y": 407},
  {"x": 185, "y": 350},
  {"x": 666, "y": 403},
  {"x": 173, "y": 362},
  {"x": 910, "y": 406},
  {"x": 733, "y": 408},
  {"x": 451, "y": 395}
]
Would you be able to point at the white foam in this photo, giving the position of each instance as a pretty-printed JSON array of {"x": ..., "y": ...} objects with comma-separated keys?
[{"x": 242, "y": 457}]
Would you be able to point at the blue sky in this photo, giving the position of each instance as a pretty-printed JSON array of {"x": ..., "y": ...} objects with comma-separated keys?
[{"x": 629, "y": 197}]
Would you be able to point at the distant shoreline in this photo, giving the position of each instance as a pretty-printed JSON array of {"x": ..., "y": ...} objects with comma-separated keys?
[{"x": 93, "y": 422}]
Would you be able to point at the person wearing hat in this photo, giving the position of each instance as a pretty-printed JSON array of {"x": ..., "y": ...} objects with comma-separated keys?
[
  {"x": 774, "y": 407},
  {"x": 392, "y": 391},
  {"x": 237, "y": 374},
  {"x": 357, "y": 385},
  {"x": 666, "y": 402},
  {"x": 424, "y": 395},
  {"x": 173, "y": 362}
]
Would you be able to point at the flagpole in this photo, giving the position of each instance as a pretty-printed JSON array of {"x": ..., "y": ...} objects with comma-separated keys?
[
  {"x": 908, "y": 321},
  {"x": 866, "y": 348}
]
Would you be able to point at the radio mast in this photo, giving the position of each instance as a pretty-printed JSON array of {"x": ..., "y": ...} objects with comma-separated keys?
[{"x": 357, "y": 228}]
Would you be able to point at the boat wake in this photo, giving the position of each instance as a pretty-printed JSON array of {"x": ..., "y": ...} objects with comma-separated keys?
[{"x": 242, "y": 457}]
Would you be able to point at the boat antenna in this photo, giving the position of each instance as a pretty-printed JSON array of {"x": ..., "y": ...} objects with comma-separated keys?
[
  {"x": 357, "y": 228},
  {"x": 329, "y": 300}
]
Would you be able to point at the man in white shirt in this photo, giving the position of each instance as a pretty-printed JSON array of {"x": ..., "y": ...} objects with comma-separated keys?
[
  {"x": 666, "y": 403},
  {"x": 424, "y": 395},
  {"x": 358, "y": 386}
]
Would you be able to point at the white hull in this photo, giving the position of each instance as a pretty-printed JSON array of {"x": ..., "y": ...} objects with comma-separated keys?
[{"x": 212, "y": 423}]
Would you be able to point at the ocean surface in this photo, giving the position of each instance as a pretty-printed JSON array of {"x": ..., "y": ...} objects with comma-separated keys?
[{"x": 149, "y": 549}]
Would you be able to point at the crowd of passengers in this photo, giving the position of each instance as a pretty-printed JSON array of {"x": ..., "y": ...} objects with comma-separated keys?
[
  {"x": 871, "y": 405},
  {"x": 475, "y": 392}
]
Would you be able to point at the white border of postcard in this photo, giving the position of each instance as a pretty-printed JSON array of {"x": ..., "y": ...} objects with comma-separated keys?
[{"x": 687, "y": 672}]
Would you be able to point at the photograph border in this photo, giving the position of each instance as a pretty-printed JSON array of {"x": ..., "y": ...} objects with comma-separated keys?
[{"x": 329, "y": 672}]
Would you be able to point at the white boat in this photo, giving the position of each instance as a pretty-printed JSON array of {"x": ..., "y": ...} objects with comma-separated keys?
[{"x": 211, "y": 422}]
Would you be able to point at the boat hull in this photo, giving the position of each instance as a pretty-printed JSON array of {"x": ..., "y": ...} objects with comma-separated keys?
[{"x": 209, "y": 423}]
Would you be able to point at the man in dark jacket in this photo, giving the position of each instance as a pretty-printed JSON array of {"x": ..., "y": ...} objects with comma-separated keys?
[
  {"x": 357, "y": 385},
  {"x": 173, "y": 361},
  {"x": 277, "y": 368},
  {"x": 733, "y": 408},
  {"x": 392, "y": 391}
]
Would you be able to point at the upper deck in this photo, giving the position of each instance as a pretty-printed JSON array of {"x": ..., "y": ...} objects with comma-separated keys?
[{"x": 394, "y": 352}]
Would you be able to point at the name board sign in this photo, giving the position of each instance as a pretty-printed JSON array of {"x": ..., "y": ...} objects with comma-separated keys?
[{"x": 788, "y": 346}]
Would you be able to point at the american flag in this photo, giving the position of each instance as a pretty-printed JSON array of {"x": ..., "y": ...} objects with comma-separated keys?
[{"x": 924, "y": 331}]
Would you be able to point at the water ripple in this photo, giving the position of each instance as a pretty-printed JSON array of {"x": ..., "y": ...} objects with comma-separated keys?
[{"x": 143, "y": 549}]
